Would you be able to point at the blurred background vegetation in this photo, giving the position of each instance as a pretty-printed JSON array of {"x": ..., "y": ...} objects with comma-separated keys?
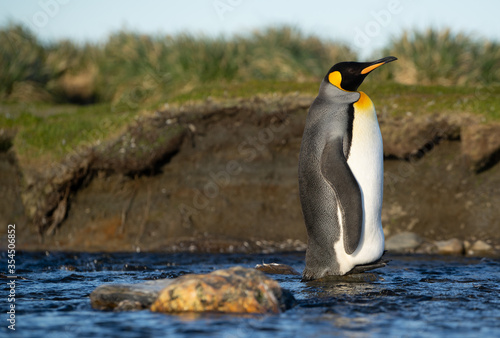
[
  {"x": 135, "y": 69},
  {"x": 55, "y": 96}
]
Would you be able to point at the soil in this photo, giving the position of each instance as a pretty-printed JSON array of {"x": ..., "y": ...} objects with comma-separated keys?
[{"x": 222, "y": 176}]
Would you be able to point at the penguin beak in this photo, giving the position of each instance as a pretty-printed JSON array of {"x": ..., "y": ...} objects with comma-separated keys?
[{"x": 377, "y": 63}]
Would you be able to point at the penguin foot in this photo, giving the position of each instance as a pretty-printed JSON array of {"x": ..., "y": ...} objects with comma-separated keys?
[{"x": 367, "y": 267}]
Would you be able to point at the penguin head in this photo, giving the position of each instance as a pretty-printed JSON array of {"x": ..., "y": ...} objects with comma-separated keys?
[{"x": 348, "y": 76}]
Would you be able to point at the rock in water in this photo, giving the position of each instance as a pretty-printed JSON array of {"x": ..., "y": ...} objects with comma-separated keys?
[
  {"x": 126, "y": 297},
  {"x": 234, "y": 290},
  {"x": 237, "y": 290},
  {"x": 277, "y": 269}
]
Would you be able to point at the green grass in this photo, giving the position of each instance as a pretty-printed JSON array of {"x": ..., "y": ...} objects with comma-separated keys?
[
  {"x": 46, "y": 136},
  {"x": 47, "y": 133},
  {"x": 399, "y": 100},
  {"x": 246, "y": 89}
]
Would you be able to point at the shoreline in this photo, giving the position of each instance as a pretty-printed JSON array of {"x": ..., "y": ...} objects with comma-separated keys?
[{"x": 226, "y": 169}]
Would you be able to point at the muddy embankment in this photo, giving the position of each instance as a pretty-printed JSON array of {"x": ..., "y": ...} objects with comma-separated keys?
[{"x": 222, "y": 176}]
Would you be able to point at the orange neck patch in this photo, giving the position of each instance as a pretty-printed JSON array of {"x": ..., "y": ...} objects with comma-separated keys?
[{"x": 364, "y": 103}]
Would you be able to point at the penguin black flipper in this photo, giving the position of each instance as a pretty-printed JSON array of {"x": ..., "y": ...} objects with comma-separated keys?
[{"x": 336, "y": 171}]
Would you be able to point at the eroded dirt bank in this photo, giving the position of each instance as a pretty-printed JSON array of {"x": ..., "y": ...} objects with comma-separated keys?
[{"x": 223, "y": 176}]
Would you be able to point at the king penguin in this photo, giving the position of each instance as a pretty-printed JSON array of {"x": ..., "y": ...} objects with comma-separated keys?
[{"x": 341, "y": 174}]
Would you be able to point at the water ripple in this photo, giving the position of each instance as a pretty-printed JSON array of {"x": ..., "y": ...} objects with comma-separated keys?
[{"x": 416, "y": 296}]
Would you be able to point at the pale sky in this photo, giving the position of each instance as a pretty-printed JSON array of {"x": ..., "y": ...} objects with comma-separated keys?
[{"x": 364, "y": 25}]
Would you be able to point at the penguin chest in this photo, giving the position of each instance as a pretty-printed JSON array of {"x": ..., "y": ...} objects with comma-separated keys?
[
  {"x": 366, "y": 163},
  {"x": 366, "y": 152}
]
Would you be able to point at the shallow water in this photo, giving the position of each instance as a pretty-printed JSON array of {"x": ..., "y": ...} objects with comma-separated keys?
[{"x": 415, "y": 296}]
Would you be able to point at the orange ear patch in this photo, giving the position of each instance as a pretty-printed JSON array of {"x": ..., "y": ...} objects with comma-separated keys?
[{"x": 335, "y": 79}]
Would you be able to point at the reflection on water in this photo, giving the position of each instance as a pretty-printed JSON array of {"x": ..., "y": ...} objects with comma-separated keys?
[{"x": 412, "y": 296}]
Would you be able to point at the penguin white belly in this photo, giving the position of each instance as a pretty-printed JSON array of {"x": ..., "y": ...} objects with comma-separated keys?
[{"x": 366, "y": 163}]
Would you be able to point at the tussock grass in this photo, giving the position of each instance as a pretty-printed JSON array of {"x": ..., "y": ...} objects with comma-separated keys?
[
  {"x": 21, "y": 59},
  {"x": 154, "y": 68},
  {"x": 130, "y": 69},
  {"x": 443, "y": 58}
]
